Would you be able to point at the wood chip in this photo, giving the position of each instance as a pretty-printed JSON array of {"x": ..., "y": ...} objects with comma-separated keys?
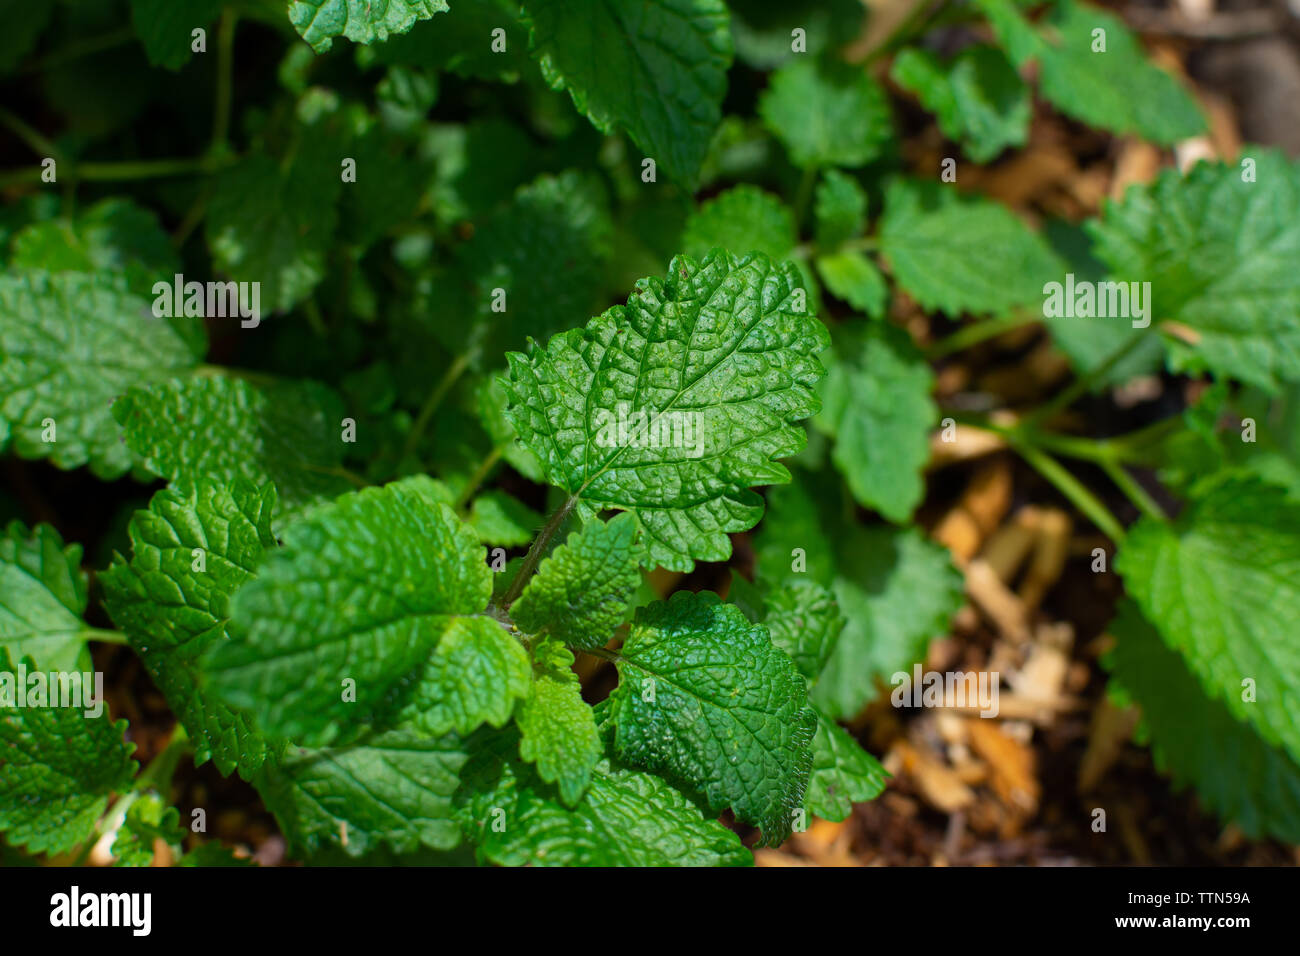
[
  {"x": 1112, "y": 727},
  {"x": 998, "y": 602},
  {"x": 1012, "y": 763},
  {"x": 938, "y": 785}
]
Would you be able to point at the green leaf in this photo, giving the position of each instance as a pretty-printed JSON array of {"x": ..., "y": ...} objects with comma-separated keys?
[
  {"x": 960, "y": 254},
  {"x": 895, "y": 589},
  {"x": 842, "y": 773},
  {"x": 1222, "y": 586},
  {"x": 658, "y": 71},
  {"x": 977, "y": 97},
  {"x": 1198, "y": 742},
  {"x": 147, "y": 819},
  {"x": 1090, "y": 343},
  {"x": 1219, "y": 253},
  {"x": 709, "y": 368},
  {"x": 492, "y": 404},
  {"x": 499, "y": 519},
  {"x": 547, "y": 249},
  {"x": 462, "y": 41},
  {"x": 742, "y": 219},
  {"x": 273, "y": 225},
  {"x": 165, "y": 28},
  {"x": 763, "y": 29},
  {"x": 827, "y": 113},
  {"x": 801, "y": 616},
  {"x": 363, "y": 591},
  {"x": 286, "y": 432},
  {"x": 72, "y": 344},
  {"x": 361, "y": 21},
  {"x": 582, "y": 590},
  {"x": 59, "y": 768},
  {"x": 705, "y": 699},
  {"x": 853, "y": 277},
  {"x": 477, "y": 673},
  {"x": 24, "y": 21},
  {"x": 1118, "y": 89},
  {"x": 42, "y": 599},
  {"x": 190, "y": 552},
  {"x": 557, "y": 728},
  {"x": 626, "y": 818},
  {"x": 876, "y": 405},
  {"x": 390, "y": 789},
  {"x": 839, "y": 208}
]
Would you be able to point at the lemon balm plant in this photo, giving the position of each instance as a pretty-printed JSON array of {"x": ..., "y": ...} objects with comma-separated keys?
[{"x": 342, "y": 290}]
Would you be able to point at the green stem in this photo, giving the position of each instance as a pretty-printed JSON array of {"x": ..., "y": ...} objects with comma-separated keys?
[
  {"x": 225, "y": 82},
  {"x": 439, "y": 392},
  {"x": 978, "y": 332},
  {"x": 104, "y": 637},
  {"x": 538, "y": 551},
  {"x": 74, "y": 51},
  {"x": 1068, "y": 396},
  {"x": 603, "y": 654},
  {"x": 123, "y": 172},
  {"x": 35, "y": 140},
  {"x": 1133, "y": 490},
  {"x": 225, "y": 371},
  {"x": 804, "y": 195},
  {"x": 476, "y": 479},
  {"x": 1073, "y": 490}
]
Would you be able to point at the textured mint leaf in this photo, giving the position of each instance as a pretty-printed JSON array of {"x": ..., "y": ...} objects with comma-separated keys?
[
  {"x": 147, "y": 819},
  {"x": 626, "y": 817},
  {"x": 842, "y": 773},
  {"x": 827, "y": 113},
  {"x": 1198, "y": 742},
  {"x": 477, "y": 673},
  {"x": 272, "y": 224},
  {"x": 839, "y": 208},
  {"x": 499, "y": 519},
  {"x": 492, "y": 404},
  {"x": 547, "y": 249},
  {"x": 165, "y": 27},
  {"x": 1220, "y": 255},
  {"x": 851, "y": 276},
  {"x": 557, "y": 728},
  {"x": 1119, "y": 90},
  {"x": 658, "y": 71},
  {"x": 960, "y": 254},
  {"x": 582, "y": 590},
  {"x": 876, "y": 396},
  {"x": 718, "y": 354},
  {"x": 70, "y": 345},
  {"x": 42, "y": 599},
  {"x": 112, "y": 236},
  {"x": 59, "y": 768},
  {"x": 762, "y": 28},
  {"x": 288, "y": 433},
  {"x": 363, "y": 589},
  {"x": 361, "y": 21},
  {"x": 390, "y": 789},
  {"x": 895, "y": 589},
  {"x": 705, "y": 699},
  {"x": 1222, "y": 587},
  {"x": 172, "y": 613},
  {"x": 802, "y": 617},
  {"x": 978, "y": 98},
  {"x": 742, "y": 219}
]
